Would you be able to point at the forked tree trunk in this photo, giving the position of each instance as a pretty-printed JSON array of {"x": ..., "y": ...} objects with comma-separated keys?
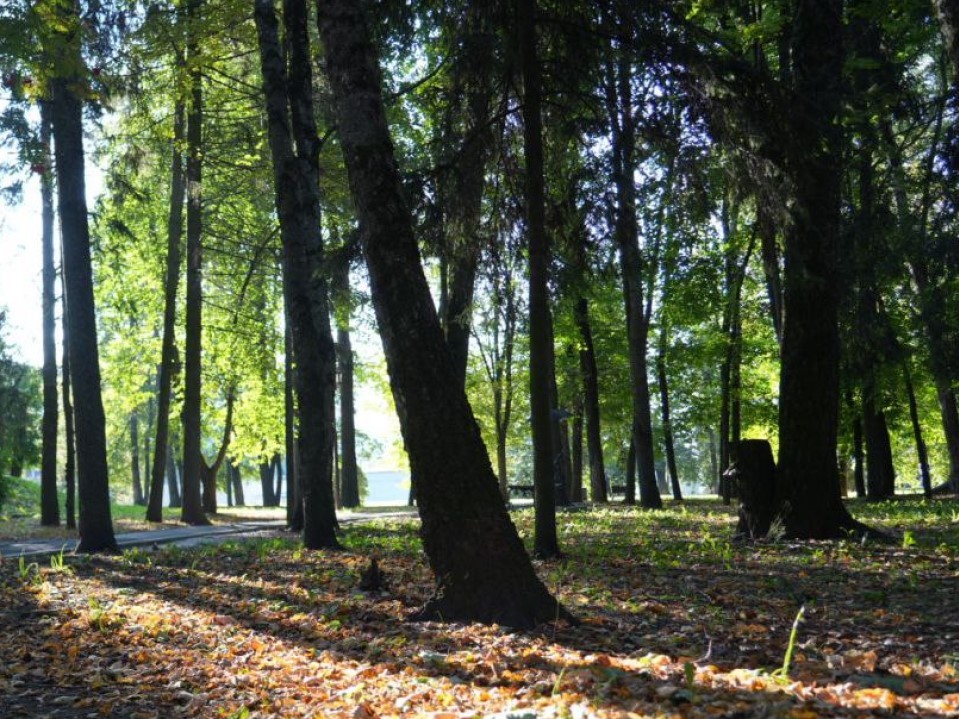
[
  {"x": 49, "y": 502},
  {"x": 168, "y": 347},
  {"x": 483, "y": 572},
  {"x": 294, "y": 502},
  {"x": 295, "y": 148},
  {"x": 209, "y": 472}
]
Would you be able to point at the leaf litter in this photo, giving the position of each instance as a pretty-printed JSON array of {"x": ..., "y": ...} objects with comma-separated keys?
[{"x": 677, "y": 621}]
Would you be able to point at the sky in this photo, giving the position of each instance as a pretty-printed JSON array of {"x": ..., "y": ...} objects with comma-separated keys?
[
  {"x": 20, "y": 264},
  {"x": 20, "y": 297}
]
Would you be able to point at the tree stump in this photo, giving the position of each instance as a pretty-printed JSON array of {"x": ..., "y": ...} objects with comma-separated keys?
[{"x": 752, "y": 475}]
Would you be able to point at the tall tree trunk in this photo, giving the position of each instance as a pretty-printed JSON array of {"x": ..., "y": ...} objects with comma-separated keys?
[
  {"x": 880, "y": 476},
  {"x": 545, "y": 540},
  {"x": 594, "y": 440},
  {"x": 630, "y": 494},
  {"x": 294, "y": 502},
  {"x": 859, "y": 455},
  {"x": 713, "y": 460},
  {"x": 668, "y": 440},
  {"x": 69, "y": 427},
  {"x": 173, "y": 484},
  {"x": 138, "y": 498},
  {"x": 295, "y": 148},
  {"x": 49, "y": 502},
  {"x": 621, "y": 111},
  {"x": 807, "y": 474},
  {"x": 192, "y": 510},
  {"x": 921, "y": 452},
  {"x": 483, "y": 572},
  {"x": 96, "y": 524},
  {"x": 168, "y": 349},
  {"x": 350, "y": 477},
  {"x": 576, "y": 491}
]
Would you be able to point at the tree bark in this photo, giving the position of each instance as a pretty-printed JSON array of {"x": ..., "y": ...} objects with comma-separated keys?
[
  {"x": 49, "y": 502},
  {"x": 576, "y": 491},
  {"x": 860, "y": 457},
  {"x": 96, "y": 525},
  {"x": 236, "y": 480},
  {"x": 948, "y": 12},
  {"x": 545, "y": 541},
  {"x": 69, "y": 427},
  {"x": 295, "y": 148},
  {"x": 192, "y": 509},
  {"x": 138, "y": 498},
  {"x": 483, "y": 572},
  {"x": 167, "y": 367},
  {"x": 209, "y": 472},
  {"x": 921, "y": 452},
  {"x": 808, "y": 476},
  {"x": 294, "y": 502},
  {"x": 173, "y": 486},
  {"x": 349, "y": 476},
  {"x": 622, "y": 121},
  {"x": 467, "y": 181}
]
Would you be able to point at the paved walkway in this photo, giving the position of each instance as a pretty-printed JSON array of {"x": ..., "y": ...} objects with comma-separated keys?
[{"x": 180, "y": 536}]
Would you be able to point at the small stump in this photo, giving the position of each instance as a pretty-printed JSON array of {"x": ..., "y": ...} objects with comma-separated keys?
[{"x": 752, "y": 475}]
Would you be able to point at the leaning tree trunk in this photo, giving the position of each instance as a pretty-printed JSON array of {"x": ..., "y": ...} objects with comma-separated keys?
[
  {"x": 295, "y": 148},
  {"x": 96, "y": 524},
  {"x": 49, "y": 503},
  {"x": 168, "y": 348},
  {"x": 807, "y": 477},
  {"x": 192, "y": 510},
  {"x": 483, "y": 572}
]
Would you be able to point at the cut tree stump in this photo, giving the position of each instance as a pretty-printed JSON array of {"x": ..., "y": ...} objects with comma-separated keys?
[{"x": 752, "y": 476}]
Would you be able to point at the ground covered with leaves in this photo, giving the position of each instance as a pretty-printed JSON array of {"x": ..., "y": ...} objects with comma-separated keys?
[{"x": 677, "y": 620}]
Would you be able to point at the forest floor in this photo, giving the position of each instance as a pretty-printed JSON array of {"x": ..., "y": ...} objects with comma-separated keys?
[{"x": 677, "y": 620}]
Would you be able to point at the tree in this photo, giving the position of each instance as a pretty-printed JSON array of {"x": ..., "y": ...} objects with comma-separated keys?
[
  {"x": 541, "y": 360},
  {"x": 63, "y": 47},
  {"x": 49, "y": 503},
  {"x": 807, "y": 474},
  {"x": 622, "y": 122},
  {"x": 168, "y": 352},
  {"x": 295, "y": 148},
  {"x": 192, "y": 510},
  {"x": 482, "y": 570}
]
